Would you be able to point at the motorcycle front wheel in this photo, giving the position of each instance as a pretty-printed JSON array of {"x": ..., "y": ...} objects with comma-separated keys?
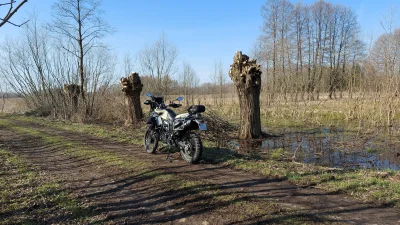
[
  {"x": 151, "y": 140},
  {"x": 191, "y": 148}
]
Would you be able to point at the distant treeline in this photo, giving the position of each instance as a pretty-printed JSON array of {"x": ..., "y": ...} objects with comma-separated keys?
[
  {"x": 9, "y": 95},
  {"x": 318, "y": 48}
]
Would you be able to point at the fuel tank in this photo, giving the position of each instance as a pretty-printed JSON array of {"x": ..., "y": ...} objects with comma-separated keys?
[{"x": 166, "y": 114}]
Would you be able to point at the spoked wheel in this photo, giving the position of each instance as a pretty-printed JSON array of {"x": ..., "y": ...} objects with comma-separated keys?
[
  {"x": 151, "y": 140},
  {"x": 191, "y": 148}
]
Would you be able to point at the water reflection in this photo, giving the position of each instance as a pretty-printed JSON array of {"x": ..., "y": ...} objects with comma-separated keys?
[{"x": 334, "y": 148}]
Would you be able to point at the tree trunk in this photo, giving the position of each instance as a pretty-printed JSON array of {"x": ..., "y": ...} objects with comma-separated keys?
[
  {"x": 4, "y": 102},
  {"x": 82, "y": 75},
  {"x": 132, "y": 87},
  {"x": 246, "y": 75}
]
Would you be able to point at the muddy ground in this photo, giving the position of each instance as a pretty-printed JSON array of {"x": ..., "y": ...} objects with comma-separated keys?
[{"x": 190, "y": 194}]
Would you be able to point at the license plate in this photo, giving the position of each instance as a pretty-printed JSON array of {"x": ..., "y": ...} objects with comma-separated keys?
[{"x": 202, "y": 126}]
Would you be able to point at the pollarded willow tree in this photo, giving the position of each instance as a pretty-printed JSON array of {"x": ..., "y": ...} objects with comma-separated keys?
[
  {"x": 80, "y": 27},
  {"x": 246, "y": 75},
  {"x": 132, "y": 87},
  {"x": 73, "y": 91}
]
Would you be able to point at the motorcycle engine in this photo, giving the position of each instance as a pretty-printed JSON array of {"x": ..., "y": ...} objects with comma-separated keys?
[{"x": 164, "y": 134}]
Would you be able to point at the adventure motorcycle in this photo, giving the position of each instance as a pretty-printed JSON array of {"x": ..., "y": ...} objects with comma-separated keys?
[{"x": 174, "y": 130}]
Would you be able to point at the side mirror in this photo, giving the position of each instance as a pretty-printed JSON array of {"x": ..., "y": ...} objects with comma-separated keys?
[
  {"x": 148, "y": 94},
  {"x": 147, "y": 102},
  {"x": 179, "y": 99}
]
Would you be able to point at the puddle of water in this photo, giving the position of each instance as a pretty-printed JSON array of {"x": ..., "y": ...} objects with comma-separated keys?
[{"x": 336, "y": 148}]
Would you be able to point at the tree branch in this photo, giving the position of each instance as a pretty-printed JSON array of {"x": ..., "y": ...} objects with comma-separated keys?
[
  {"x": 7, "y": 3},
  {"x": 17, "y": 25},
  {"x": 11, "y": 12}
]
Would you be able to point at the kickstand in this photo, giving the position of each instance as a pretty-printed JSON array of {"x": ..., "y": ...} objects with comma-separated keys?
[{"x": 169, "y": 157}]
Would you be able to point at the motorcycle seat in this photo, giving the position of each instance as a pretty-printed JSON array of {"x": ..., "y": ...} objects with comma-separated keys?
[{"x": 181, "y": 116}]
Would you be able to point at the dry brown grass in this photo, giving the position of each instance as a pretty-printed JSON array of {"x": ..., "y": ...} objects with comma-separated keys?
[
  {"x": 13, "y": 105},
  {"x": 362, "y": 111}
]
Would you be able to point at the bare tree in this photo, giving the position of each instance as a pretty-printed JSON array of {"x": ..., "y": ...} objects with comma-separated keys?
[
  {"x": 219, "y": 78},
  {"x": 270, "y": 13},
  {"x": 37, "y": 69},
  {"x": 300, "y": 15},
  {"x": 3, "y": 97},
  {"x": 128, "y": 64},
  {"x": 99, "y": 69},
  {"x": 11, "y": 11},
  {"x": 309, "y": 47},
  {"x": 385, "y": 53},
  {"x": 158, "y": 61},
  {"x": 81, "y": 27},
  {"x": 30, "y": 67},
  {"x": 188, "y": 81}
]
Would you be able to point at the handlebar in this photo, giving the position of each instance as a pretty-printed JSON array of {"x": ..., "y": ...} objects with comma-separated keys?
[{"x": 158, "y": 102}]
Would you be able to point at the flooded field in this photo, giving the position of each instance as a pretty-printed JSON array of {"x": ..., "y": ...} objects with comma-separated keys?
[{"x": 337, "y": 148}]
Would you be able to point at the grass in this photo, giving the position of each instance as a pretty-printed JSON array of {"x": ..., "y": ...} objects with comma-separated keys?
[
  {"x": 112, "y": 133},
  {"x": 28, "y": 196},
  {"x": 12, "y": 105},
  {"x": 277, "y": 154},
  {"x": 364, "y": 184},
  {"x": 194, "y": 190}
]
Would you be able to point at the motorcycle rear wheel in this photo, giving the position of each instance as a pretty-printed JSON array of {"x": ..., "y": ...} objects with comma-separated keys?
[
  {"x": 151, "y": 140},
  {"x": 191, "y": 153}
]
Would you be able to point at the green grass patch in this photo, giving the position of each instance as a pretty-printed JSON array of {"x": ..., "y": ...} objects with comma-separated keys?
[
  {"x": 277, "y": 154},
  {"x": 113, "y": 133},
  {"x": 29, "y": 197},
  {"x": 371, "y": 150}
]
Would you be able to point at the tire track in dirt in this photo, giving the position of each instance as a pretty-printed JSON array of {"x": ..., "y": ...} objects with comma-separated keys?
[{"x": 309, "y": 204}]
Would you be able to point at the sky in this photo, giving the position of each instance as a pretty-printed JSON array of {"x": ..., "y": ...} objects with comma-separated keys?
[{"x": 203, "y": 31}]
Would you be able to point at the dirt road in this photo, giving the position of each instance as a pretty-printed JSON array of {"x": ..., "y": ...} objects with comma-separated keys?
[{"x": 121, "y": 184}]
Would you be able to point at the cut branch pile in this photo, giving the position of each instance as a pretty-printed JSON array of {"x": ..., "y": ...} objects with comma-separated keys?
[{"x": 219, "y": 131}]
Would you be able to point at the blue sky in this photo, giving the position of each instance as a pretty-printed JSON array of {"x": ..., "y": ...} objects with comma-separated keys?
[{"x": 203, "y": 31}]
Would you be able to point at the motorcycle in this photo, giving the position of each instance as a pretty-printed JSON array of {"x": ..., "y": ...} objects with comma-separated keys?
[{"x": 174, "y": 130}]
